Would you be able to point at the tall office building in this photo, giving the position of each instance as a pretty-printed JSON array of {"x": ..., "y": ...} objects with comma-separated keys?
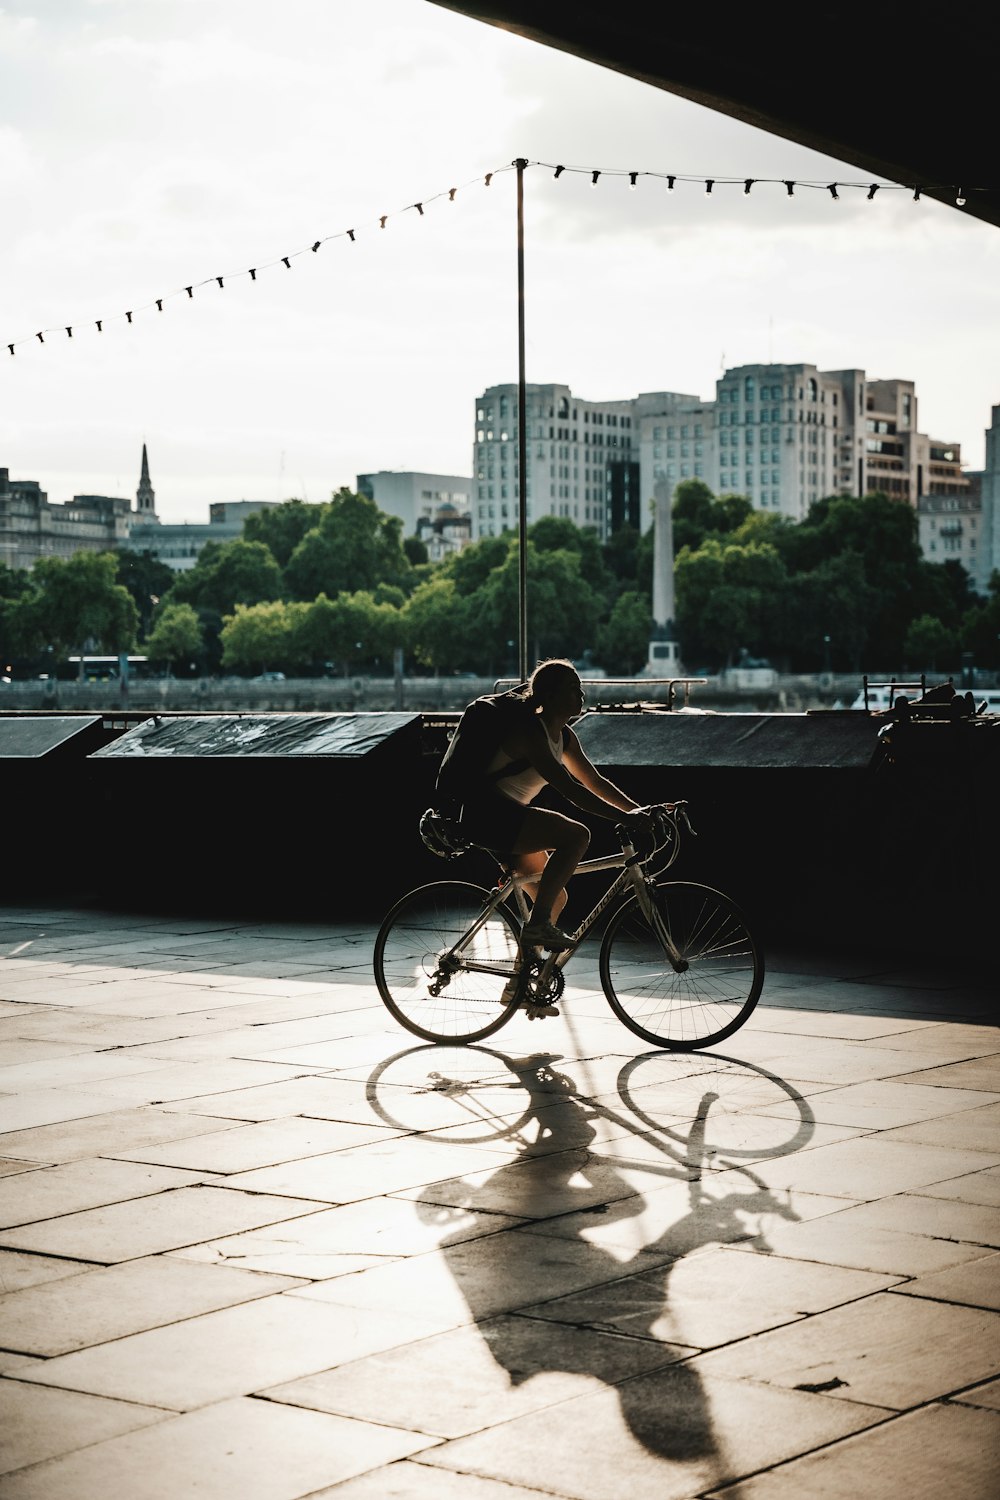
[{"x": 581, "y": 460}]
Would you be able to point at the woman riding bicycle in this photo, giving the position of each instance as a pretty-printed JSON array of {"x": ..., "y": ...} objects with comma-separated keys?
[{"x": 533, "y": 840}]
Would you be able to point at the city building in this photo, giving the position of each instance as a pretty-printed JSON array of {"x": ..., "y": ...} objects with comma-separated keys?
[
  {"x": 416, "y": 498},
  {"x": 785, "y": 435},
  {"x": 31, "y": 527},
  {"x": 581, "y": 461},
  {"x": 178, "y": 544}
]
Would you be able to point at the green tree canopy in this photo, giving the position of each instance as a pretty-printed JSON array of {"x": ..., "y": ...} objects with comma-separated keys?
[
  {"x": 623, "y": 639},
  {"x": 177, "y": 635},
  {"x": 353, "y": 546},
  {"x": 261, "y": 635},
  {"x": 929, "y": 644},
  {"x": 147, "y": 580},
  {"x": 282, "y": 527},
  {"x": 354, "y": 629},
  {"x": 227, "y": 574},
  {"x": 73, "y": 602}
]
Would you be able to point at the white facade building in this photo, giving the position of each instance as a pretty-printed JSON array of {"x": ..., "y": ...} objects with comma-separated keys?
[
  {"x": 415, "y": 498},
  {"x": 581, "y": 460}
]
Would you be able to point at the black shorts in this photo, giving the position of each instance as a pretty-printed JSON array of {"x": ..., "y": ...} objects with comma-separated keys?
[{"x": 494, "y": 821}]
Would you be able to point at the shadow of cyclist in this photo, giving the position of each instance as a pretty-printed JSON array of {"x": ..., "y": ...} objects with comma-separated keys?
[{"x": 555, "y": 1176}]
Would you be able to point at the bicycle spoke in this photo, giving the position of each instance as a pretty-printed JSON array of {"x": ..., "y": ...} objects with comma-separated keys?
[
  {"x": 441, "y": 971},
  {"x": 713, "y": 994}
]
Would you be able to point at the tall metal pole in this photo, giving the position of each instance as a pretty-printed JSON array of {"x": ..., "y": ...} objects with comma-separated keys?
[{"x": 522, "y": 439}]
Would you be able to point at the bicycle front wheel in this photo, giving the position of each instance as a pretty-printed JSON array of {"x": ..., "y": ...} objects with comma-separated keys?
[
  {"x": 720, "y": 983},
  {"x": 442, "y": 967}
]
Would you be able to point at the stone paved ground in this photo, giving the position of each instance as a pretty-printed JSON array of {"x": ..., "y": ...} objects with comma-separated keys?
[{"x": 256, "y": 1243}]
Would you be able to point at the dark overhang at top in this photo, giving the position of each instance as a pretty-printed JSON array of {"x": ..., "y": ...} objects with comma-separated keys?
[{"x": 899, "y": 91}]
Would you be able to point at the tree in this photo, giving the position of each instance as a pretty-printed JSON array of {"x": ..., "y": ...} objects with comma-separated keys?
[
  {"x": 439, "y": 625},
  {"x": 282, "y": 527},
  {"x": 562, "y": 608},
  {"x": 261, "y": 635},
  {"x": 693, "y": 511},
  {"x": 353, "y": 629},
  {"x": 353, "y": 546},
  {"x": 559, "y": 534},
  {"x": 928, "y": 641},
  {"x": 227, "y": 574},
  {"x": 623, "y": 640},
  {"x": 980, "y": 631},
  {"x": 176, "y": 636},
  {"x": 147, "y": 580},
  {"x": 725, "y": 594},
  {"x": 72, "y": 602}
]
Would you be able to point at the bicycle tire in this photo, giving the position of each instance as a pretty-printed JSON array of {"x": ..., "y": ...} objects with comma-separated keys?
[
  {"x": 715, "y": 994},
  {"x": 422, "y": 927}
]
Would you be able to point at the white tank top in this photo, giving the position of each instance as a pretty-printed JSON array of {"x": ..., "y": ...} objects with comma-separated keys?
[{"x": 524, "y": 785}]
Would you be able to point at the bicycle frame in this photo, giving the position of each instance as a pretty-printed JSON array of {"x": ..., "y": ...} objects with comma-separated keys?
[{"x": 632, "y": 874}]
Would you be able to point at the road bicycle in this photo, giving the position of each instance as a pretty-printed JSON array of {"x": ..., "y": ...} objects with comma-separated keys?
[{"x": 679, "y": 964}]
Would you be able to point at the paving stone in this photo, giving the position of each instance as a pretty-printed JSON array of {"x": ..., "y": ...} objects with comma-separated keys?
[
  {"x": 231, "y": 1352},
  {"x": 892, "y": 1351},
  {"x": 940, "y": 1218},
  {"x": 386, "y": 1165},
  {"x": 473, "y": 1279},
  {"x": 101, "y": 1135},
  {"x": 869, "y": 1167},
  {"x": 146, "y": 1226},
  {"x": 973, "y": 1129},
  {"x": 98, "y": 1305},
  {"x": 47, "y": 1192},
  {"x": 971, "y": 1187},
  {"x": 977, "y": 1073},
  {"x": 476, "y": 1377},
  {"x": 885, "y": 1103},
  {"x": 18, "y": 1270},
  {"x": 976, "y": 1283},
  {"x": 82, "y": 1070},
  {"x": 711, "y": 1298},
  {"x": 323, "y": 1244},
  {"x": 986, "y": 1395},
  {"x": 243, "y": 1148},
  {"x": 669, "y": 1435},
  {"x": 316, "y": 1097},
  {"x": 941, "y": 1450},
  {"x": 236, "y": 1450},
  {"x": 39, "y": 1424},
  {"x": 833, "y": 1242},
  {"x": 20, "y": 1112},
  {"x": 182, "y": 1081},
  {"x": 413, "y": 1480}
]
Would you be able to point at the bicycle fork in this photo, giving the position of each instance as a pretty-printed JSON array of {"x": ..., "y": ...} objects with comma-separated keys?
[{"x": 653, "y": 913}]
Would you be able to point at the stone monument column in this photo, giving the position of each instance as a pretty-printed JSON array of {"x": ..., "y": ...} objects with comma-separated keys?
[{"x": 664, "y": 648}]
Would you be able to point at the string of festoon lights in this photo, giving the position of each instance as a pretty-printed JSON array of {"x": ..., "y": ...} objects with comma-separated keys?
[{"x": 673, "y": 181}]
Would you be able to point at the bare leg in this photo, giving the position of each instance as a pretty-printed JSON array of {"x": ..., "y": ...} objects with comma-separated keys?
[{"x": 567, "y": 842}]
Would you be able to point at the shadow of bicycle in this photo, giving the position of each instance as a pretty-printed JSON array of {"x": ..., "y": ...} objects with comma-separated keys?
[{"x": 615, "y": 1190}]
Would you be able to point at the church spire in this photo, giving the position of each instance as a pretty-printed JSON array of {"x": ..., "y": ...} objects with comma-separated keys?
[{"x": 145, "y": 497}]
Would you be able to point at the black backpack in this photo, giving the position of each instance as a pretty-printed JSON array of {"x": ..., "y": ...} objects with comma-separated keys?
[{"x": 478, "y": 736}]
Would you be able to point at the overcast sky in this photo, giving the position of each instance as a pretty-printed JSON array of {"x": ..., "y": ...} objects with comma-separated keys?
[{"x": 151, "y": 145}]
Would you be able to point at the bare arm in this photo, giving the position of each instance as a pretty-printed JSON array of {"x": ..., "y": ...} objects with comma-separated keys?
[
  {"x": 575, "y": 778},
  {"x": 577, "y": 761}
]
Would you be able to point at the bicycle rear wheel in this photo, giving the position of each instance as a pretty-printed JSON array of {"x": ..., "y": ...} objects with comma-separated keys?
[
  {"x": 714, "y": 994},
  {"x": 420, "y": 950}
]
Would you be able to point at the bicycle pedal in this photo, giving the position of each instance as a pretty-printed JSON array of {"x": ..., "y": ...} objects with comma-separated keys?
[{"x": 539, "y": 1012}]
